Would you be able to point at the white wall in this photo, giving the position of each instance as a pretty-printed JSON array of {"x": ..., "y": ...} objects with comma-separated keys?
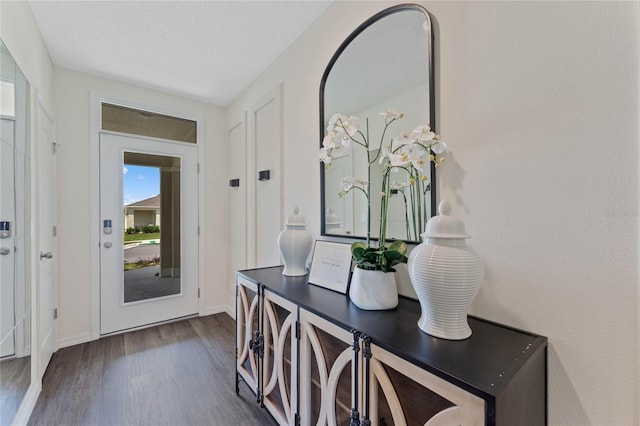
[
  {"x": 20, "y": 33},
  {"x": 539, "y": 105},
  {"x": 73, "y": 108}
]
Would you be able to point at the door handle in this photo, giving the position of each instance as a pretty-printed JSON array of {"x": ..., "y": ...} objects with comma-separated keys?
[
  {"x": 4, "y": 251},
  {"x": 47, "y": 255}
]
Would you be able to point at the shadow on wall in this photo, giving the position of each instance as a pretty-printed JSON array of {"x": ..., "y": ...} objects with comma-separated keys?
[{"x": 571, "y": 411}]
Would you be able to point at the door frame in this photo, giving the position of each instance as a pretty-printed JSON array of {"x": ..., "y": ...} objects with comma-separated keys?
[{"x": 97, "y": 99}]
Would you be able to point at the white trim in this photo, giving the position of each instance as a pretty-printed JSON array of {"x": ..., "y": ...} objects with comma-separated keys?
[
  {"x": 94, "y": 181},
  {"x": 200, "y": 142},
  {"x": 217, "y": 309},
  {"x": 98, "y": 97},
  {"x": 28, "y": 404},
  {"x": 75, "y": 340},
  {"x": 231, "y": 312}
]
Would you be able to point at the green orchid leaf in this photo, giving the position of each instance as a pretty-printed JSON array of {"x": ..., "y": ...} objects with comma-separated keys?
[
  {"x": 358, "y": 245},
  {"x": 399, "y": 246}
]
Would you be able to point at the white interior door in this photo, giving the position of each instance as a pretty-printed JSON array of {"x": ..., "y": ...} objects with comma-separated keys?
[
  {"x": 164, "y": 283},
  {"x": 237, "y": 201},
  {"x": 47, "y": 240},
  {"x": 265, "y": 223}
]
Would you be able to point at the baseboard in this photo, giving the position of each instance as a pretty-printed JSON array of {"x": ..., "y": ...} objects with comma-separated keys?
[
  {"x": 215, "y": 309},
  {"x": 75, "y": 340},
  {"x": 28, "y": 403},
  {"x": 218, "y": 309},
  {"x": 231, "y": 312}
]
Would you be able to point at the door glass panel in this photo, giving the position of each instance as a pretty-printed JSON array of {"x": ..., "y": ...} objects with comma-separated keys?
[
  {"x": 151, "y": 208},
  {"x": 418, "y": 403},
  {"x": 331, "y": 349},
  {"x": 144, "y": 123}
]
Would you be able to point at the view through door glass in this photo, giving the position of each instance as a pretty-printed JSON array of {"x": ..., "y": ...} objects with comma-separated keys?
[{"x": 151, "y": 206}]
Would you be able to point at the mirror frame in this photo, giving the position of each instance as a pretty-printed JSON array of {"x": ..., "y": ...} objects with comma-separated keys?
[{"x": 432, "y": 103}]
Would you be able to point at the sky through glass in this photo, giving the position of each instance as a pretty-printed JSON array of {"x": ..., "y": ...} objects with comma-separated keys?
[{"x": 140, "y": 183}]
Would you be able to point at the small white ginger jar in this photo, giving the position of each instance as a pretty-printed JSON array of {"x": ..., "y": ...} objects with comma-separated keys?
[
  {"x": 446, "y": 275},
  {"x": 295, "y": 244}
]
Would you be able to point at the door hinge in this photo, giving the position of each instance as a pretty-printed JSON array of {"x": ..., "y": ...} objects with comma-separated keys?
[
  {"x": 55, "y": 313},
  {"x": 198, "y": 230},
  {"x": 55, "y": 231},
  {"x": 55, "y": 146},
  {"x": 198, "y": 167},
  {"x": 198, "y": 292},
  {"x": 296, "y": 419},
  {"x": 298, "y": 330}
]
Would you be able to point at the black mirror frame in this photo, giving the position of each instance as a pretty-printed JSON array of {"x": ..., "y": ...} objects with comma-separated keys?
[{"x": 432, "y": 101}]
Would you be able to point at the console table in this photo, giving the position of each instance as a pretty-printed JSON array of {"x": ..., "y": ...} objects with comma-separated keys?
[{"x": 312, "y": 357}]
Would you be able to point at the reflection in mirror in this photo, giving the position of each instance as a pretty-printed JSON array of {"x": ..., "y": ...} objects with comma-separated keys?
[
  {"x": 15, "y": 298},
  {"x": 386, "y": 63}
]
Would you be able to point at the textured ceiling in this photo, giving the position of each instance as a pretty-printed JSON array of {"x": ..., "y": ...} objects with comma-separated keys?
[{"x": 205, "y": 50}]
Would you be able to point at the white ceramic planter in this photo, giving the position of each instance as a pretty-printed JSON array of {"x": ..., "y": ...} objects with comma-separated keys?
[
  {"x": 446, "y": 276},
  {"x": 295, "y": 244},
  {"x": 373, "y": 290}
]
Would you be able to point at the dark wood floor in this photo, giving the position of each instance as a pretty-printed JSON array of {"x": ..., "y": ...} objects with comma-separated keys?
[
  {"x": 15, "y": 377},
  {"x": 174, "y": 374}
]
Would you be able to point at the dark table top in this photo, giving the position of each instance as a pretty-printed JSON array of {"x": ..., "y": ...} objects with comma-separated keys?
[{"x": 483, "y": 364}]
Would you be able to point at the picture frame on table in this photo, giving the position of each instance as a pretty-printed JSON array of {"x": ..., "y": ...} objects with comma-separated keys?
[{"x": 331, "y": 266}]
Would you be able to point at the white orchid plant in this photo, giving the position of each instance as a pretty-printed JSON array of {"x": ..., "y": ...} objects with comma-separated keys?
[{"x": 410, "y": 153}]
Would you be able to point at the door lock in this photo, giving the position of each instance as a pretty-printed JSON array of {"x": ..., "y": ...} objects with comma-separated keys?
[{"x": 47, "y": 255}]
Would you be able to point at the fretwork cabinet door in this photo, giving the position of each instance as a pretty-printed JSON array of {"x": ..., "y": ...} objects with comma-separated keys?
[
  {"x": 327, "y": 372},
  {"x": 280, "y": 358},
  {"x": 402, "y": 393},
  {"x": 248, "y": 311}
]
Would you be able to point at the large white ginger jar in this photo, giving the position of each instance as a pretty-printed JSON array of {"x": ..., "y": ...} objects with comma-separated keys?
[
  {"x": 373, "y": 290},
  {"x": 295, "y": 244},
  {"x": 446, "y": 275}
]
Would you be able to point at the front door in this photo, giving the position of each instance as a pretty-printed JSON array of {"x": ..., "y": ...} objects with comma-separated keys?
[{"x": 148, "y": 240}]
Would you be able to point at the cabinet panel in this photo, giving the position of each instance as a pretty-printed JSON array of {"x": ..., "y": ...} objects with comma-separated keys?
[
  {"x": 247, "y": 324},
  {"x": 327, "y": 372},
  {"x": 280, "y": 358},
  {"x": 404, "y": 394}
]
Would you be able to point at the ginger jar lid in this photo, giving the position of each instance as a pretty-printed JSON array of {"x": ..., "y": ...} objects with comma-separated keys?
[
  {"x": 443, "y": 225},
  {"x": 296, "y": 219}
]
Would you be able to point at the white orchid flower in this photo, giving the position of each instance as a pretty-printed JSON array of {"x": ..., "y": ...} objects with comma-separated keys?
[
  {"x": 329, "y": 140},
  {"x": 401, "y": 140},
  {"x": 439, "y": 147},
  {"x": 399, "y": 158},
  {"x": 385, "y": 150},
  {"x": 350, "y": 125},
  {"x": 418, "y": 163},
  {"x": 325, "y": 156},
  {"x": 398, "y": 185},
  {"x": 332, "y": 122},
  {"x": 350, "y": 182},
  {"x": 422, "y": 133},
  {"x": 391, "y": 114}
]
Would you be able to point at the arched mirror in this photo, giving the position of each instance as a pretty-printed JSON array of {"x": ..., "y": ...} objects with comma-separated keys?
[{"x": 385, "y": 64}]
